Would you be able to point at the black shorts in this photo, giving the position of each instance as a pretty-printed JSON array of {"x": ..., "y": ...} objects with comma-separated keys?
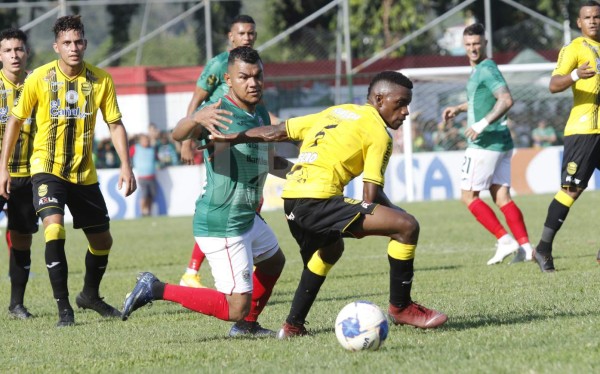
[
  {"x": 85, "y": 202},
  {"x": 316, "y": 223},
  {"x": 580, "y": 158},
  {"x": 21, "y": 214}
]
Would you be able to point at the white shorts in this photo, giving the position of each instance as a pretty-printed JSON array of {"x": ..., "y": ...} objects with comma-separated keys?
[
  {"x": 232, "y": 259},
  {"x": 482, "y": 168}
]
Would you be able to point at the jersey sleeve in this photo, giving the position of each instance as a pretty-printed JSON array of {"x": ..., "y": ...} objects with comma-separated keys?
[
  {"x": 109, "y": 106},
  {"x": 492, "y": 78},
  {"x": 297, "y": 127},
  {"x": 210, "y": 78},
  {"x": 567, "y": 60},
  {"x": 377, "y": 150},
  {"x": 27, "y": 100}
]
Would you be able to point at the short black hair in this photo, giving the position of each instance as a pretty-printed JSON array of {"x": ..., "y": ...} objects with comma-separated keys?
[
  {"x": 391, "y": 77},
  {"x": 67, "y": 23},
  {"x": 245, "y": 54},
  {"x": 474, "y": 29},
  {"x": 13, "y": 33},
  {"x": 242, "y": 18},
  {"x": 589, "y": 3}
]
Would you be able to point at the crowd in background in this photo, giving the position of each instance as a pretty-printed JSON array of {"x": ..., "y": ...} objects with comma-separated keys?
[
  {"x": 167, "y": 151},
  {"x": 434, "y": 136}
]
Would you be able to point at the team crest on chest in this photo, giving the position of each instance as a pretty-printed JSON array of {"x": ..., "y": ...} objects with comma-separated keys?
[{"x": 86, "y": 88}]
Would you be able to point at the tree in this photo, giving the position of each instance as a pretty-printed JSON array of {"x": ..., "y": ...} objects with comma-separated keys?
[{"x": 120, "y": 19}]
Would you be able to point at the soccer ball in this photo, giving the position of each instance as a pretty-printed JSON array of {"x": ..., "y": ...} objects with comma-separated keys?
[{"x": 361, "y": 326}]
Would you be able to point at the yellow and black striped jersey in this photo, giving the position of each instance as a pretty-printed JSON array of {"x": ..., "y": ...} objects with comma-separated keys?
[
  {"x": 18, "y": 164},
  {"x": 66, "y": 118},
  {"x": 584, "y": 117},
  {"x": 339, "y": 144}
]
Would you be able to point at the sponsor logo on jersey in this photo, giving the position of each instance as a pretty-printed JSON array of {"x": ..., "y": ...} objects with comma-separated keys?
[
  {"x": 42, "y": 190},
  {"x": 56, "y": 86},
  {"x": 3, "y": 114},
  {"x": 47, "y": 200},
  {"x": 56, "y": 111},
  {"x": 4, "y": 93},
  {"x": 72, "y": 97}
]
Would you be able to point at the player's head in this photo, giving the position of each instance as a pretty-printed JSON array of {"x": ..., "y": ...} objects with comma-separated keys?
[
  {"x": 474, "y": 42},
  {"x": 589, "y": 19},
  {"x": 69, "y": 40},
  {"x": 242, "y": 31},
  {"x": 245, "y": 76},
  {"x": 390, "y": 92},
  {"x": 13, "y": 51}
]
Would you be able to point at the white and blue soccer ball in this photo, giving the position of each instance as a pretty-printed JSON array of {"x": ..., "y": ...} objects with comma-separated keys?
[{"x": 361, "y": 326}]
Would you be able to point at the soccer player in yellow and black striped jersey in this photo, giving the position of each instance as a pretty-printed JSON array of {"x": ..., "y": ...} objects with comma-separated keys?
[
  {"x": 67, "y": 93},
  {"x": 578, "y": 67},
  {"x": 22, "y": 220},
  {"x": 339, "y": 144}
]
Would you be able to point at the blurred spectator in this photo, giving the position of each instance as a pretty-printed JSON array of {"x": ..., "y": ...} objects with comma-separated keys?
[
  {"x": 144, "y": 164},
  {"x": 519, "y": 132},
  {"x": 543, "y": 135},
  {"x": 107, "y": 155},
  {"x": 166, "y": 151},
  {"x": 153, "y": 134},
  {"x": 447, "y": 137}
]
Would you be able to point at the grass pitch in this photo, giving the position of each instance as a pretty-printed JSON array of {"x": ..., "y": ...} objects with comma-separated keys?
[{"x": 502, "y": 319}]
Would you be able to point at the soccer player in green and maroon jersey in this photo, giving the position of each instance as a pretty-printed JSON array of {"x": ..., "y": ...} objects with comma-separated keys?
[
  {"x": 211, "y": 86},
  {"x": 486, "y": 165},
  {"x": 232, "y": 235}
]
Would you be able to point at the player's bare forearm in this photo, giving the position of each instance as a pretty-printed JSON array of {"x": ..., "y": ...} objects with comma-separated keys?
[
  {"x": 274, "y": 133},
  {"x": 504, "y": 102},
  {"x": 453, "y": 111},
  {"x": 118, "y": 135},
  {"x": 11, "y": 134},
  {"x": 559, "y": 83},
  {"x": 185, "y": 130}
]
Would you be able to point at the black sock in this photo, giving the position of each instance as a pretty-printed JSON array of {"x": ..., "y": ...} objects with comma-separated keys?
[
  {"x": 18, "y": 270},
  {"x": 58, "y": 271},
  {"x": 557, "y": 213},
  {"x": 401, "y": 275},
  {"x": 306, "y": 293},
  {"x": 95, "y": 266},
  {"x": 158, "y": 290}
]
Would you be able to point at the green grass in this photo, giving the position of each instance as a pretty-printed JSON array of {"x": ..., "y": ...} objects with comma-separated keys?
[{"x": 503, "y": 319}]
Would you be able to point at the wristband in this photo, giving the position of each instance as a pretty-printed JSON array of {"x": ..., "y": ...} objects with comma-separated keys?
[
  {"x": 480, "y": 125},
  {"x": 574, "y": 75}
]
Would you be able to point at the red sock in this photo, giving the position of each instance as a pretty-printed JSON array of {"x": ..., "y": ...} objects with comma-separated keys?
[
  {"x": 485, "y": 215},
  {"x": 514, "y": 220},
  {"x": 8, "y": 241},
  {"x": 202, "y": 300},
  {"x": 197, "y": 258},
  {"x": 262, "y": 286}
]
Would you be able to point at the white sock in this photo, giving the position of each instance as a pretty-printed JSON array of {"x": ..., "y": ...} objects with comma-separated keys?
[
  {"x": 506, "y": 239},
  {"x": 191, "y": 271},
  {"x": 528, "y": 249}
]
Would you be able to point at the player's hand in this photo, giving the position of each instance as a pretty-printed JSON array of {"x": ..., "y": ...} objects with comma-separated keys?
[
  {"x": 212, "y": 118},
  {"x": 4, "y": 183},
  {"x": 187, "y": 152},
  {"x": 449, "y": 113},
  {"x": 127, "y": 180},
  {"x": 585, "y": 71},
  {"x": 471, "y": 134}
]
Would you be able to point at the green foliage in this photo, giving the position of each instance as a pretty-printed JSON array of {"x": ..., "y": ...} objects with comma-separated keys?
[{"x": 503, "y": 319}]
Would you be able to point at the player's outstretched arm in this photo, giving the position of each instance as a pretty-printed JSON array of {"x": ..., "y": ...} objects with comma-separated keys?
[
  {"x": 118, "y": 135},
  {"x": 11, "y": 134},
  {"x": 274, "y": 133},
  {"x": 210, "y": 117}
]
